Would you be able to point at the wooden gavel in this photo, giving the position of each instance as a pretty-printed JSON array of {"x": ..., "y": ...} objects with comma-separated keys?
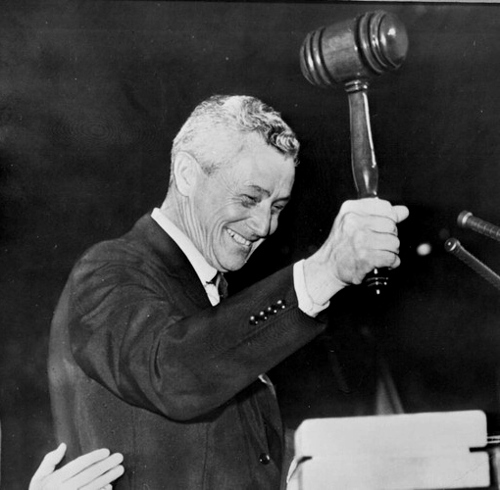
[{"x": 351, "y": 53}]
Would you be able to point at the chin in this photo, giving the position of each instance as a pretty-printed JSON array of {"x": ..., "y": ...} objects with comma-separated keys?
[
  {"x": 233, "y": 265},
  {"x": 233, "y": 260}
]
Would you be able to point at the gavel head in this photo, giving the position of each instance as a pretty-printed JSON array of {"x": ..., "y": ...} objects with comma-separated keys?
[{"x": 354, "y": 51}]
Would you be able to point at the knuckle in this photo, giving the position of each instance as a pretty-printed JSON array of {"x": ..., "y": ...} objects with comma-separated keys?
[
  {"x": 351, "y": 222},
  {"x": 347, "y": 205},
  {"x": 396, "y": 244}
]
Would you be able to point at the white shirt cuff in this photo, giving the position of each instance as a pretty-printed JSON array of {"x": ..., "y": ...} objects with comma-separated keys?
[{"x": 306, "y": 303}]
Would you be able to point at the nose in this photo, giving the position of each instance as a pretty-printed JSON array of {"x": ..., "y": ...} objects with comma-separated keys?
[{"x": 261, "y": 221}]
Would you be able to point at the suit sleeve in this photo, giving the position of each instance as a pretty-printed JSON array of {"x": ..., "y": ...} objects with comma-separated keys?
[{"x": 131, "y": 332}]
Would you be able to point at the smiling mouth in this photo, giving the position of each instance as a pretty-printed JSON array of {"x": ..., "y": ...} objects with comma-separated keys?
[{"x": 239, "y": 239}]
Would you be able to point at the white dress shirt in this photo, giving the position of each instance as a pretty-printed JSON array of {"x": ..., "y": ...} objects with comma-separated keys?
[{"x": 203, "y": 269}]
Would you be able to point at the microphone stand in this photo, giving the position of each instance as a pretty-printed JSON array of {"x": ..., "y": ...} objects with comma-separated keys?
[{"x": 453, "y": 246}]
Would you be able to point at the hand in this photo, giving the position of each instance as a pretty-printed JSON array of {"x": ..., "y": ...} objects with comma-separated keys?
[
  {"x": 92, "y": 471},
  {"x": 364, "y": 237}
]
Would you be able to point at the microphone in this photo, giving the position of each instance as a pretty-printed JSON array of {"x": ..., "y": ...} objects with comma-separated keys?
[
  {"x": 453, "y": 246},
  {"x": 467, "y": 220}
]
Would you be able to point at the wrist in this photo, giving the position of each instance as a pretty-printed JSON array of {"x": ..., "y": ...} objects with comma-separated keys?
[{"x": 320, "y": 279}]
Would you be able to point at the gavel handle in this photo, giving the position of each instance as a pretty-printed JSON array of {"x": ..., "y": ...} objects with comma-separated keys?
[{"x": 364, "y": 164}]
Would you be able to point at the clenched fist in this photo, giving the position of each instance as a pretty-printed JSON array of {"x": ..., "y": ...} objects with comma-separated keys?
[{"x": 364, "y": 236}]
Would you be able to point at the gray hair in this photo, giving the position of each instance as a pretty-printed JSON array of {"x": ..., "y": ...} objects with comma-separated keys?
[{"x": 215, "y": 131}]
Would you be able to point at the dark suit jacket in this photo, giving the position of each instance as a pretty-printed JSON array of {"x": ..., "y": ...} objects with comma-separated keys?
[{"x": 141, "y": 363}]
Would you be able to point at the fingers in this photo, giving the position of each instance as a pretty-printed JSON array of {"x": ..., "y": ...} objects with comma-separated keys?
[
  {"x": 402, "y": 212},
  {"x": 92, "y": 471},
  {"x": 365, "y": 236},
  {"x": 81, "y": 463},
  {"x": 48, "y": 464},
  {"x": 374, "y": 245},
  {"x": 372, "y": 214},
  {"x": 375, "y": 207},
  {"x": 101, "y": 474}
]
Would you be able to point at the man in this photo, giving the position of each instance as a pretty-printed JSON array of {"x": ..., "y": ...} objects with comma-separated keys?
[{"x": 146, "y": 360}]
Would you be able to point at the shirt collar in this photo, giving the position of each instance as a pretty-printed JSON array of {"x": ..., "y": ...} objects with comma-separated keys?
[{"x": 202, "y": 268}]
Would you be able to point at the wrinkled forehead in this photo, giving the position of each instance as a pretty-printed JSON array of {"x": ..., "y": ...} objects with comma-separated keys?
[{"x": 264, "y": 165}]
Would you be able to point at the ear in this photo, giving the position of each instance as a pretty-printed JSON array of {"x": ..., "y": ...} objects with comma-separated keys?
[{"x": 186, "y": 170}]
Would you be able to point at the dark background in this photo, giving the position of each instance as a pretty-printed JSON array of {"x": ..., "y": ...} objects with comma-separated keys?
[{"x": 91, "y": 95}]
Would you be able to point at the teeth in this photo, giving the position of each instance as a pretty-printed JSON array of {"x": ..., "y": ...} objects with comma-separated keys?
[{"x": 239, "y": 239}]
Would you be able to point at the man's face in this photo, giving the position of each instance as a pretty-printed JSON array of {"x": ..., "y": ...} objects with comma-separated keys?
[{"x": 238, "y": 205}]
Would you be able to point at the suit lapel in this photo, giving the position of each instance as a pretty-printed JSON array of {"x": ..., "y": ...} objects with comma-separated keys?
[{"x": 147, "y": 231}]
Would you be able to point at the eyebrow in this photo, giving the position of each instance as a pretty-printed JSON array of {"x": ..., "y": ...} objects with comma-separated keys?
[{"x": 260, "y": 189}]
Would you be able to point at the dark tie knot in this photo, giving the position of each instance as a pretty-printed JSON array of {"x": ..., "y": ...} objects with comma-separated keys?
[{"x": 219, "y": 281}]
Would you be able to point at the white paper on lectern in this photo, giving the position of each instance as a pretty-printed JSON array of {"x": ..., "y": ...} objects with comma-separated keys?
[
  {"x": 392, "y": 452},
  {"x": 405, "y": 434}
]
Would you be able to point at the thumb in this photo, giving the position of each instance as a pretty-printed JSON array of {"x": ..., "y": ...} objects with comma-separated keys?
[
  {"x": 401, "y": 213},
  {"x": 50, "y": 461}
]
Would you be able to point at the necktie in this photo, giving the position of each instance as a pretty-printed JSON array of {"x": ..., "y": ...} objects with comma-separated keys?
[
  {"x": 217, "y": 288},
  {"x": 221, "y": 283}
]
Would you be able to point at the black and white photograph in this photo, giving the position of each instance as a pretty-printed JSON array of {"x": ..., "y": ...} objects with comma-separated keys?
[{"x": 249, "y": 245}]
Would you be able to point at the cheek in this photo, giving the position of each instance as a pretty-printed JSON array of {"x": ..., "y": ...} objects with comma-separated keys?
[
  {"x": 229, "y": 213},
  {"x": 217, "y": 221},
  {"x": 274, "y": 224}
]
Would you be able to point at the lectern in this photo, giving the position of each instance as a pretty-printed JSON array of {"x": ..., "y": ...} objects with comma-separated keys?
[{"x": 444, "y": 450}]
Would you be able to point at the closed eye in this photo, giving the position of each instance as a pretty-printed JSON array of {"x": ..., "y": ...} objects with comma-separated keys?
[
  {"x": 279, "y": 205},
  {"x": 248, "y": 200}
]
